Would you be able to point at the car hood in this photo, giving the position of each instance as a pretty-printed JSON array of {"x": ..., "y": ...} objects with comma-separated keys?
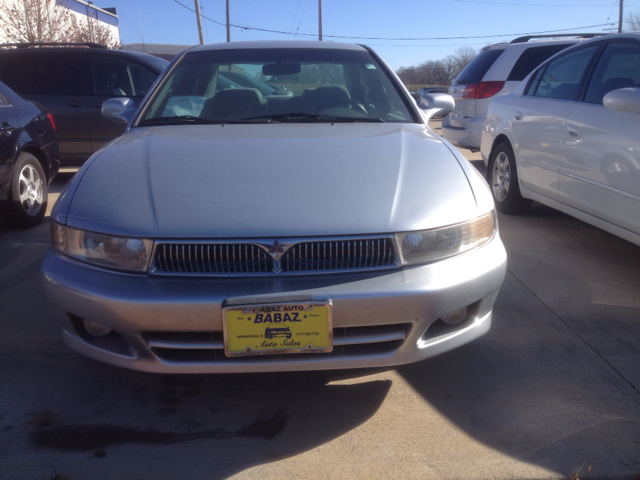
[{"x": 271, "y": 180}]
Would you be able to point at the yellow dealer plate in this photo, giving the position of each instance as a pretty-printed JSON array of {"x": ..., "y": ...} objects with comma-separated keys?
[{"x": 280, "y": 328}]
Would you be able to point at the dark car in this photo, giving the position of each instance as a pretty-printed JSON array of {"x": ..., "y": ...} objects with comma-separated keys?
[
  {"x": 72, "y": 82},
  {"x": 28, "y": 158}
]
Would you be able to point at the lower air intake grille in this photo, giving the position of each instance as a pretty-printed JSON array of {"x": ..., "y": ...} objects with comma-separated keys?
[{"x": 208, "y": 347}]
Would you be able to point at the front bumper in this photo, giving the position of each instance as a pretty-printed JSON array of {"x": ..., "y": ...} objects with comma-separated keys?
[{"x": 174, "y": 324}]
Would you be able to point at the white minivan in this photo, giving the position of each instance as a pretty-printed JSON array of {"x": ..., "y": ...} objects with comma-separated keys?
[{"x": 497, "y": 69}]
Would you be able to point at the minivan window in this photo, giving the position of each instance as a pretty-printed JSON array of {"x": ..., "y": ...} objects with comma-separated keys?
[
  {"x": 480, "y": 65},
  {"x": 531, "y": 58},
  {"x": 118, "y": 77},
  {"x": 44, "y": 73},
  {"x": 25, "y": 76}
]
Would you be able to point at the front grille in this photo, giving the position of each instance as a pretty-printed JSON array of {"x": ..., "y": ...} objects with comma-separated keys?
[
  {"x": 208, "y": 347},
  {"x": 211, "y": 258},
  {"x": 269, "y": 257}
]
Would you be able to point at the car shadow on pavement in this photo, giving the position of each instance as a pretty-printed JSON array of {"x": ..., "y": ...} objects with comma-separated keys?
[
  {"x": 554, "y": 383},
  {"x": 94, "y": 416},
  {"x": 243, "y": 419}
]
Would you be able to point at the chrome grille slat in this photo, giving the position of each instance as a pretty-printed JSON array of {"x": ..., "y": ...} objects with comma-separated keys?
[{"x": 244, "y": 258}]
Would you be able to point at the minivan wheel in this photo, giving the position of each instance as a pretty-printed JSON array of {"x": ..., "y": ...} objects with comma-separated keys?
[
  {"x": 28, "y": 192},
  {"x": 502, "y": 175}
]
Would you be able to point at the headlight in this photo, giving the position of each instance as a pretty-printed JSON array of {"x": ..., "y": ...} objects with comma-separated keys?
[
  {"x": 429, "y": 246},
  {"x": 122, "y": 253}
]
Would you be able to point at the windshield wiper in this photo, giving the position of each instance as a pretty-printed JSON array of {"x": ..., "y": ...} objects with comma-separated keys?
[
  {"x": 177, "y": 120},
  {"x": 190, "y": 119},
  {"x": 305, "y": 117}
]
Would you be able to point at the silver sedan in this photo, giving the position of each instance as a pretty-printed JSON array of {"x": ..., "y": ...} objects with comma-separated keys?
[{"x": 321, "y": 226}]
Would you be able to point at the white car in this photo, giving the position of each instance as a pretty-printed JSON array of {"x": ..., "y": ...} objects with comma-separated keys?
[
  {"x": 496, "y": 70},
  {"x": 231, "y": 231},
  {"x": 568, "y": 137}
]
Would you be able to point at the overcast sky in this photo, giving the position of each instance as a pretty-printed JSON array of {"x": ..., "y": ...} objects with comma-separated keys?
[{"x": 403, "y": 32}]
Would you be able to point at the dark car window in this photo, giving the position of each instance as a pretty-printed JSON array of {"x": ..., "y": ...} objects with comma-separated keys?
[
  {"x": 44, "y": 74},
  {"x": 244, "y": 80},
  {"x": 27, "y": 75},
  {"x": 118, "y": 77},
  {"x": 476, "y": 69},
  {"x": 562, "y": 77},
  {"x": 531, "y": 58},
  {"x": 619, "y": 67}
]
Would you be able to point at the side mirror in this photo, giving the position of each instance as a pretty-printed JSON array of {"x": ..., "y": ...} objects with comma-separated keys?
[
  {"x": 623, "y": 100},
  {"x": 119, "y": 110},
  {"x": 436, "y": 104}
]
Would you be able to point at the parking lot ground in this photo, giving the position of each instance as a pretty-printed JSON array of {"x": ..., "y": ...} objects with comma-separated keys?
[{"x": 553, "y": 389}]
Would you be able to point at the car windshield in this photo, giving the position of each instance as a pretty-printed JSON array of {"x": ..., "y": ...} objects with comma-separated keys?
[{"x": 276, "y": 85}]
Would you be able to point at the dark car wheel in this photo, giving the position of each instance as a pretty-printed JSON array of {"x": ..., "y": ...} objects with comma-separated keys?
[
  {"x": 28, "y": 192},
  {"x": 502, "y": 175}
]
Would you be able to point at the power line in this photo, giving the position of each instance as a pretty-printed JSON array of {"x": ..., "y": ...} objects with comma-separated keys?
[
  {"x": 531, "y": 5},
  {"x": 402, "y": 39},
  {"x": 294, "y": 17},
  {"x": 471, "y": 37},
  {"x": 301, "y": 18}
]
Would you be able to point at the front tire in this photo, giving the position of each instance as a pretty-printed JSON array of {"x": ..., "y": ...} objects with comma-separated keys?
[
  {"x": 28, "y": 192},
  {"x": 502, "y": 176}
]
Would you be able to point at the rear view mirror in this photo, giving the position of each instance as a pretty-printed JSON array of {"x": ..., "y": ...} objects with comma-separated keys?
[{"x": 272, "y": 69}]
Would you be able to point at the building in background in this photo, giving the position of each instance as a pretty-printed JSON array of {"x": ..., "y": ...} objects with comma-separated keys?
[
  {"x": 77, "y": 20},
  {"x": 90, "y": 14}
]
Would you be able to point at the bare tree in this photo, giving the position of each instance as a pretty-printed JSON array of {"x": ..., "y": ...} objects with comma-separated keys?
[
  {"x": 463, "y": 56},
  {"x": 30, "y": 21},
  {"x": 438, "y": 72},
  {"x": 96, "y": 32},
  {"x": 632, "y": 22},
  {"x": 43, "y": 21}
]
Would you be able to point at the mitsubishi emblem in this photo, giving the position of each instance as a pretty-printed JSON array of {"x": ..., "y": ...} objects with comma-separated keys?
[{"x": 276, "y": 250}]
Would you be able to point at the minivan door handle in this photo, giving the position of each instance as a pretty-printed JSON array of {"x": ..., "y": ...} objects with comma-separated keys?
[
  {"x": 75, "y": 103},
  {"x": 6, "y": 128},
  {"x": 574, "y": 132},
  {"x": 97, "y": 104},
  {"x": 518, "y": 116}
]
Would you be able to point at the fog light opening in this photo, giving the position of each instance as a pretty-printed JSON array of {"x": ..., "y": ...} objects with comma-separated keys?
[
  {"x": 95, "y": 329},
  {"x": 451, "y": 322},
  {"x": 456, "y": 317}
]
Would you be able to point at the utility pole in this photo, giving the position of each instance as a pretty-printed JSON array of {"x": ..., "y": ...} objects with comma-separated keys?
[
  {"x": 320, "y": 20},
  {"x": 620, "y": 19},
  {"x": 228, "y": 24},
  {"x": 199, "y": 22}
]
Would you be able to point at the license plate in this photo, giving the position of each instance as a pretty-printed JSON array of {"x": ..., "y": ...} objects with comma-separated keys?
[{"x": 281, "y": 328}]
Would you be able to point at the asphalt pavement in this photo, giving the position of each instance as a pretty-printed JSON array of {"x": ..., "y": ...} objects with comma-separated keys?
[{"x": 553, "y": 390}]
